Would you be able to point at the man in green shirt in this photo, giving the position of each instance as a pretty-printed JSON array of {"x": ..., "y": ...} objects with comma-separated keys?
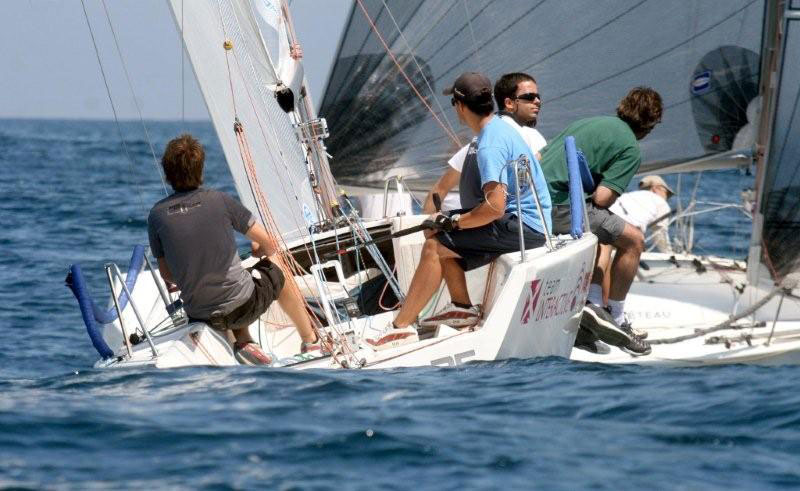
[{"x": 611, "y": 147}]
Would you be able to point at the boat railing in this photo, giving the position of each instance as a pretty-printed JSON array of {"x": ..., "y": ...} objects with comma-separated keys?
[
  {"x": 122, "y": 296},
  {"x": 522, "y": 172},
  {"x": 398, "y": 181},
  {"x": 318, "y": 272},
  {"x": 580, "y": 181},
  {"x": 112, "y": 268},
  {"x": 683, "y": 220}
]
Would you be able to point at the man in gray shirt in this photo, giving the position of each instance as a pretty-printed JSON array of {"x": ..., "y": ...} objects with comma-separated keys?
[{"x": 191, "y": 235}]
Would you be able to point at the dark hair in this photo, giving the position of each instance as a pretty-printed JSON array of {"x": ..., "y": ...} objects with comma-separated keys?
[
  {"x": 506, "y": 86},
  {"x": 641, "y": 109},
  {"x": 482, "y": 107},
  {"x": 183, "y": 163}
]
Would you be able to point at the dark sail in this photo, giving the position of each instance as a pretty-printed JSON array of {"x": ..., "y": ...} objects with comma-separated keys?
[
  {"x": 724, "y": 83},
  {"x": 781, "y": 199},
  {"x": 584, "y": 54}
]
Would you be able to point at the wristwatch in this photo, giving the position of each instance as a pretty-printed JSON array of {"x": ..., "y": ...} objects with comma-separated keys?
[{"x": 454, "y": 218}]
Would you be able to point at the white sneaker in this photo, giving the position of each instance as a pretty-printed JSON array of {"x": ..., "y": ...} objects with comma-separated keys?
[
  {"x": 454, "y": 316},
  {"x": 392, "y": 337}
]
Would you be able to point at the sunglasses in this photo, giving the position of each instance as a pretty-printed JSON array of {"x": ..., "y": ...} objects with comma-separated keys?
[
  {"x": 453, "y": 101},
  {"x": 530, "y": 96}
]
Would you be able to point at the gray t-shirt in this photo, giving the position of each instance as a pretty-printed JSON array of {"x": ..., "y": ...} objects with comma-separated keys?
[{"x": 193, "y": 231}]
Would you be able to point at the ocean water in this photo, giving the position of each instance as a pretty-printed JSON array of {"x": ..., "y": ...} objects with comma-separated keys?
[{"x": 69, "y": 193}]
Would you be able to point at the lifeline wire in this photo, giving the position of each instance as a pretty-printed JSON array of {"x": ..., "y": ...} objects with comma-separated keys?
[
  {"x": 419, "y": 68},
  {"x": 452, "y": 135},
  {"x": 135, "y": 101}
]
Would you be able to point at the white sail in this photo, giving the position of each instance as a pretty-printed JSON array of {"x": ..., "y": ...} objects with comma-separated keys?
[
  {"x": 236, "y": 84},
  {"x": 274, "y": 32}
]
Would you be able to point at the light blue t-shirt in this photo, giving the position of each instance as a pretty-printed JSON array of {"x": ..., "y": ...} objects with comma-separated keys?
[{"x": 499, "y": 143}]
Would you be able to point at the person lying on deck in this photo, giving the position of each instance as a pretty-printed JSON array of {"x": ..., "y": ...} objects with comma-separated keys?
[
  {"x": 191, "y": 235},
  {"x": 517, "y": 94},
  {"x": 610, "y": 144},
  {"x": 475, "y": 238}
]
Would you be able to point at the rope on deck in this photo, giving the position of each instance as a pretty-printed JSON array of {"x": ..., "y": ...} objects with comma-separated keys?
[{"x": 785, "y": 287}]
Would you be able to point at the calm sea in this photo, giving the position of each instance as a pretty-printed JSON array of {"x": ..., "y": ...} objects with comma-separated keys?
[{"x": 69, "y": 193}]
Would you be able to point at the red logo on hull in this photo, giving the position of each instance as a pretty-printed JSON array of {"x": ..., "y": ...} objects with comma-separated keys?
[{"x": 532, "y": 301}]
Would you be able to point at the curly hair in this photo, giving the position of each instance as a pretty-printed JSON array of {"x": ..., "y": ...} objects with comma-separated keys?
[
  {"x": 641, "y": 109},
  {"x": 183, "y": 163}
]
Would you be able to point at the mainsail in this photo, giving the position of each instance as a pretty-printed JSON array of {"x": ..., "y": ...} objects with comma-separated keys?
[
  {"x": 238, "y": 85},
  {"x": 387, "y": 115}
]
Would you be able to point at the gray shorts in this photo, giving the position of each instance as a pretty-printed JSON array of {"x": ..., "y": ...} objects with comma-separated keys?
[{"x": 605, "y": 225}]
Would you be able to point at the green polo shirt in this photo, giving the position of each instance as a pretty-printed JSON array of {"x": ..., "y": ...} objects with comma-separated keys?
[{"x": 611, "y": 150}]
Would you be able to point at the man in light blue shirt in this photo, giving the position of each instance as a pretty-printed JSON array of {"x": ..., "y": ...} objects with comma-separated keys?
[
  {"x": 472, "y": 238},
  {"x": 498, "y": 144}
]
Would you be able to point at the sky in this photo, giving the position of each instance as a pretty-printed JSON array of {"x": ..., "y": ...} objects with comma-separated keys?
[{"x": 50, "y": 69}]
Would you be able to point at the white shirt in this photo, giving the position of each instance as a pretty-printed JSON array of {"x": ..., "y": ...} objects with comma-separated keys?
[
  {"x": 532, "y": 137},
  {"x": 640, "y": 209}
]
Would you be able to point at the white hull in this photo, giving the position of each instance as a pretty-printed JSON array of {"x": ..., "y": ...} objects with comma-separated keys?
[
  {"x": 677, "y": 297},
  {"x": 532, "y": 310}
]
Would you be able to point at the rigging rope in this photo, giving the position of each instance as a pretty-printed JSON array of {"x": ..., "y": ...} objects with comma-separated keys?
[
  {"x": 135, "y": 100},
  {"x": 113, "y": 107},
  {"x": 183, "y": 74},
  {"x": 289, "y": 265},
  {"x": 784, "y": 287},
  {"x": 419, "y": 68},
  {"x": 269, "y": 147},
  {"x": 374, "y": 28},
  {"x": 474, "y": 40}
]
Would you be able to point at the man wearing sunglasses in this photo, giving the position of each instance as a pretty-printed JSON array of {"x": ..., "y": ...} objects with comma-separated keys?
[
  {"x": 517, "y": 97},
  {"x": 610, "y": 144},
  {"x": 472, "y": 238}
]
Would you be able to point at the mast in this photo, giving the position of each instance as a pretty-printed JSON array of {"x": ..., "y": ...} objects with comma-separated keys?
[
  {"x": 317, "y": 153},
  {"x": 771, "y": 59}
]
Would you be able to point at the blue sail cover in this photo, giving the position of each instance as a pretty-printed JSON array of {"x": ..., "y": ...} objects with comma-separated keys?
[{"x": 584, "y": 54}]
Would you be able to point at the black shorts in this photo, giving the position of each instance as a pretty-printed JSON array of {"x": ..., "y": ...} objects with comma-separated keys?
[
  {"x": 605, "y": 225},
  {"x": 482, "y": 245},
  {"x": 267, "y": 288}
]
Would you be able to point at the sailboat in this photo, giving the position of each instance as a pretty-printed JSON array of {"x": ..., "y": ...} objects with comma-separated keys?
[
  {"x": 242, "y": 55},
  {"x": 710, "y": 310},
  {"x": 714, "y": 62}
]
